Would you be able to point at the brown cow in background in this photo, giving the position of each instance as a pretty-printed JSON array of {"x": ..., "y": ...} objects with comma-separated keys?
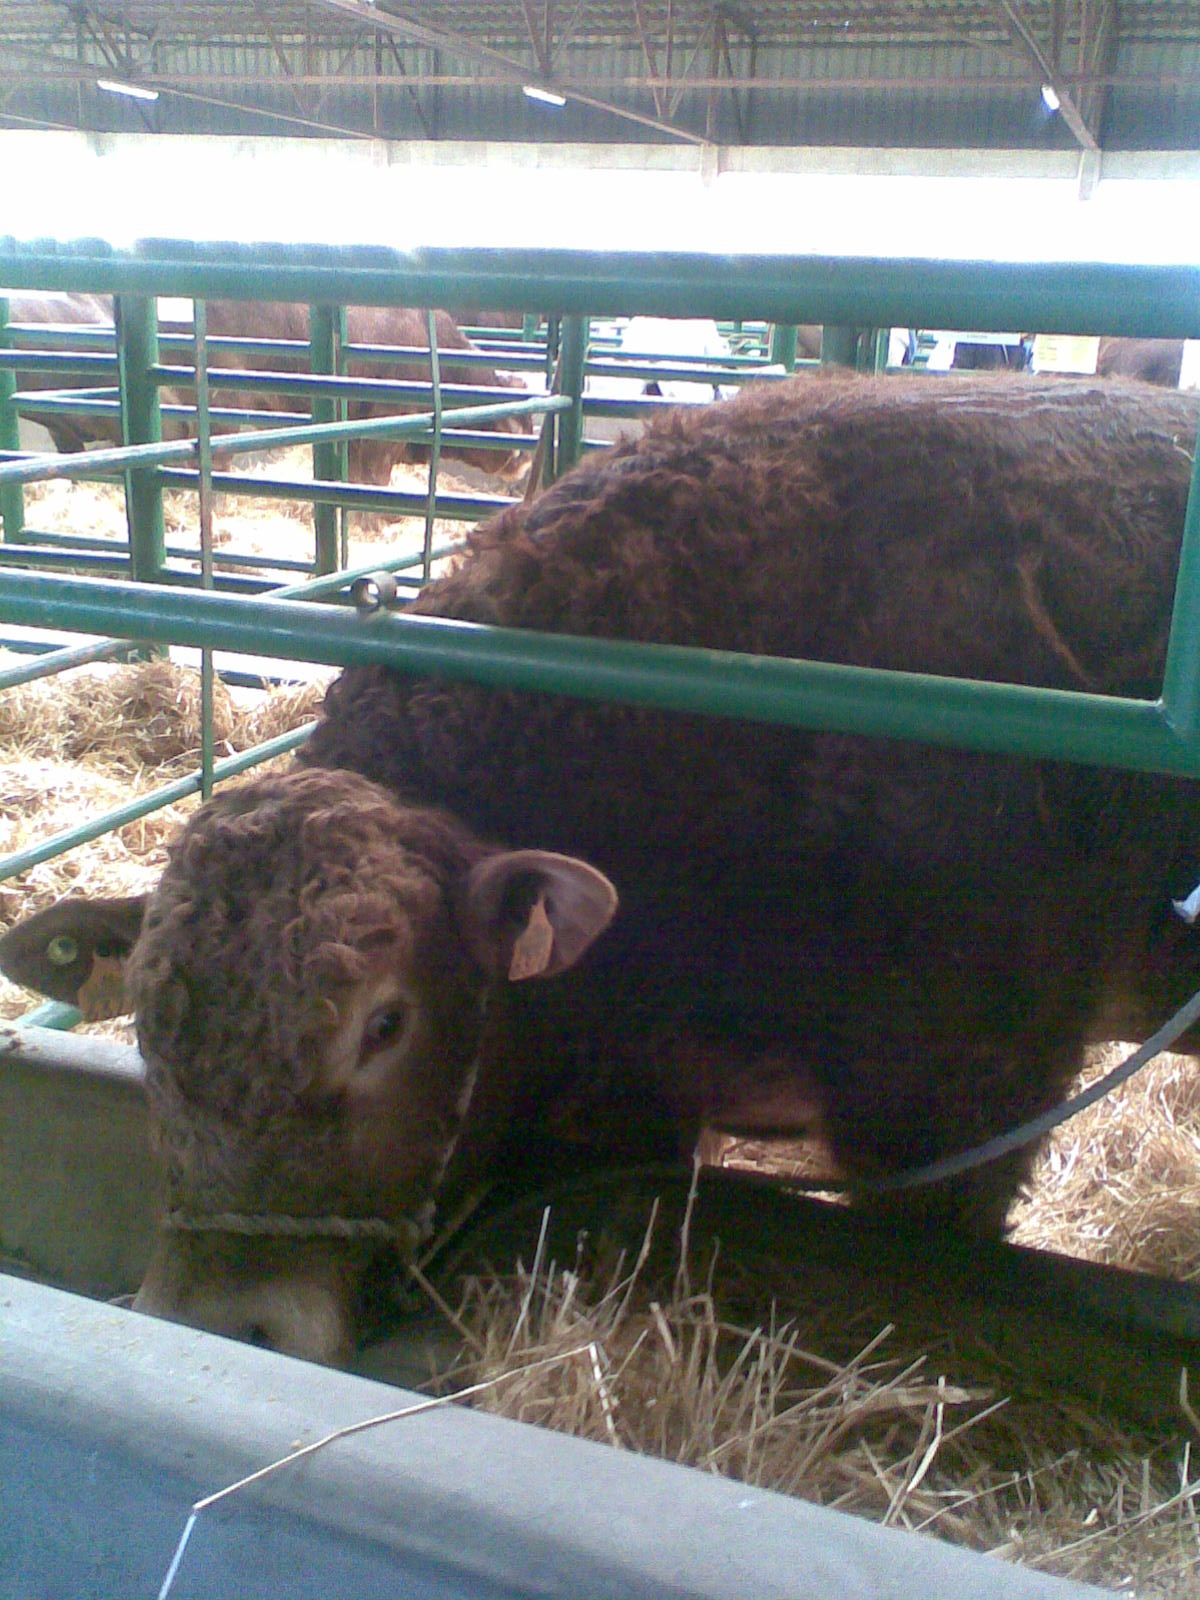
[
  {"x": 71, "y": 310},
  {"x": 370, "y": 460},
  {"x": 1152, "y": 360}
]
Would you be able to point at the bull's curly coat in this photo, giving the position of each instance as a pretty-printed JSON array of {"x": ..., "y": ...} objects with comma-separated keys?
[
  {"x": 907, "y": 946},
  {"x": 292, "y": 887},
  {"x": 902, "y": 947}
]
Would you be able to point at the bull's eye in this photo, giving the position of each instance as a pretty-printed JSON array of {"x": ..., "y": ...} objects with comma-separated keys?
[
  {"x": 383, "y": 1028},
  {"x": 62, "y": 951}
]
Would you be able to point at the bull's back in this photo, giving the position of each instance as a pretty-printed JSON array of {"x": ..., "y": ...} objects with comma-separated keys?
[
  {"x": 933, "y": 931},
  {"x": 996, "y": 529},
  {"x": 1010, "y": 529}
]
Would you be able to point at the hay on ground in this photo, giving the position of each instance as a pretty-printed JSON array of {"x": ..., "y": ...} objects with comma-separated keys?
[
  {"x": 1120, "y": 1182},
  {"x": 90, "y": 741},
  {"x": 143, "y": 715},
  {"x": 881, "y": 1430}
]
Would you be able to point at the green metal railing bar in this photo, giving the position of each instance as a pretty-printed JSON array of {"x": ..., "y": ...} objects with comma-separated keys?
[
  {"x": 1043, "y": 723},
  {"x": 62, "y": 660},
  {"x": 101, "y": 403},
  {"x": 1181, "y": 675},
  {"x": 357, "y": 497},
  {"x": 435, "y": 448},
  {"x": 205, "y": 492},
  {"x": 342, "y": 448},
  {"x": 330, "y": 385},
  {"x": 398, "y": 355},
  {"x": 1054, "y": 297},
  {"x": 84, "y": 363},
  {"x": 332, "y": 583},
  {"x": 137, "y": 348},
  {"x": 21, "y": 860},
  {"x": 28, "y": 556},
  {"x": 680, "y": 358},
  {"x": 179, "y": 344},
  {"x": 39, "y": 557},
  {"x": 12, "y": 501},
  {"x": 667, "y": 368},
  {"x": 572, "y": 368},
  {"x": 51, "y": 660},
  {"x": 33, "y": 555},
  {"x": 83, "y": 543},
  {"x": 92, "y": 336},
  {"x": 326, "y": 453},
  {"x": 783, "y": 345},
  {"x": 95, "y": 461}
]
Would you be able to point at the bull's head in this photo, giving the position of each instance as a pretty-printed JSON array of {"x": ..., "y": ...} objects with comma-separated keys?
[{"x": 312, "y": 982}]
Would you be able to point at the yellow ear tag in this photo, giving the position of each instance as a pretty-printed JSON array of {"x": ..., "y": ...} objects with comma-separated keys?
[
  {"x": 102, "y": 995},
  {"x": 533, "y": 949}
]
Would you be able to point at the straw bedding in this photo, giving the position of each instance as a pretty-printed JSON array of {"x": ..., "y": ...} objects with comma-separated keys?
[
  {"x": 822, "y": 1399},
  {"x": 827, "y": 1401}
]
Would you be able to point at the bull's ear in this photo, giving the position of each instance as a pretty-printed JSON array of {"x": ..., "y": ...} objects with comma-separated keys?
[
  {"x": 75, "y": 951},
  {"x": 531, "y": 914}
]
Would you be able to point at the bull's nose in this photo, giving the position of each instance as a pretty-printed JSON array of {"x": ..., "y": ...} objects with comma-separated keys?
[
  {"x": 295, "y": 1319},
  {"x": 299, "y": 1308}
]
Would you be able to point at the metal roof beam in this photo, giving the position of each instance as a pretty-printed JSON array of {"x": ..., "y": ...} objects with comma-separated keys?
[
  {"x": 514, "y": 73},
  {"x": 1067, "y": 106},
  {"x": 318, "y": 126},
  {"x": 648, "y": 52},
  {"x": 284, "y": 64},
  {"x": 1093, "y": 101},
  {"x": 541, "y": 54},
  {"x": 567, "y": 34},
  {"x": 684, "y": 85},
  {"x": 945, "y": 83},
  {"x": 414, "y": 91},
  {"x": 737, "y": 105}
]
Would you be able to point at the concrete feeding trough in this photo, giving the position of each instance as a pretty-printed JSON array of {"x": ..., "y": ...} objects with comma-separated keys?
[{"x": 115, "y": 1424}]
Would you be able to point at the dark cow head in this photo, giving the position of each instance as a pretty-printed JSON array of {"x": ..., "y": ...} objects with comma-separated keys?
[{"x": 311, "y": 982}]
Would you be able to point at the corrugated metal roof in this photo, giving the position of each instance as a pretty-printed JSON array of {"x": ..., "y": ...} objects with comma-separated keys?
[{"x": 885, "y": 72}]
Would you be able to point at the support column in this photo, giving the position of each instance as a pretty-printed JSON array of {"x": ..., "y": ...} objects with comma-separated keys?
[
  {"x": 325, "y": 454},
  {"x": 574, "y": 359},
  {"x": 839, "y": 347},
  {"x": 12, "y": 496},
  {"x": 783, "y": 345},
  {"x": 137, "y": 353}
]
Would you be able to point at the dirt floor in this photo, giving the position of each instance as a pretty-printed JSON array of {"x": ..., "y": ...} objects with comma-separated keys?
[{"x": 826, "y": 1402}]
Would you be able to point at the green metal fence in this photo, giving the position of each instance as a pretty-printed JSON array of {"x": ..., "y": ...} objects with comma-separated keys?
[
  {"x": 131, "y": 354},
  {"x": 1158, "y": 735}
]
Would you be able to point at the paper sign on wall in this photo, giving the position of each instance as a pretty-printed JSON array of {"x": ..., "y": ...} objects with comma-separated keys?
[{"x": 1065, "y": 352}]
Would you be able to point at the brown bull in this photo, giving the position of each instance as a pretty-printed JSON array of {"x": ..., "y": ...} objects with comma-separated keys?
[
  {"x": 369, "y": 460},
  {"x": 1152, "y": 360},
  {"x": 368, "y": 986},
  {"x": 45, "y": 306}
]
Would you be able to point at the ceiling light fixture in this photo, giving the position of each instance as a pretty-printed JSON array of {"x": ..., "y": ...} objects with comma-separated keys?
[
  {"x": 133, "y": 90},
  {"x": 547, "y": 96}
]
